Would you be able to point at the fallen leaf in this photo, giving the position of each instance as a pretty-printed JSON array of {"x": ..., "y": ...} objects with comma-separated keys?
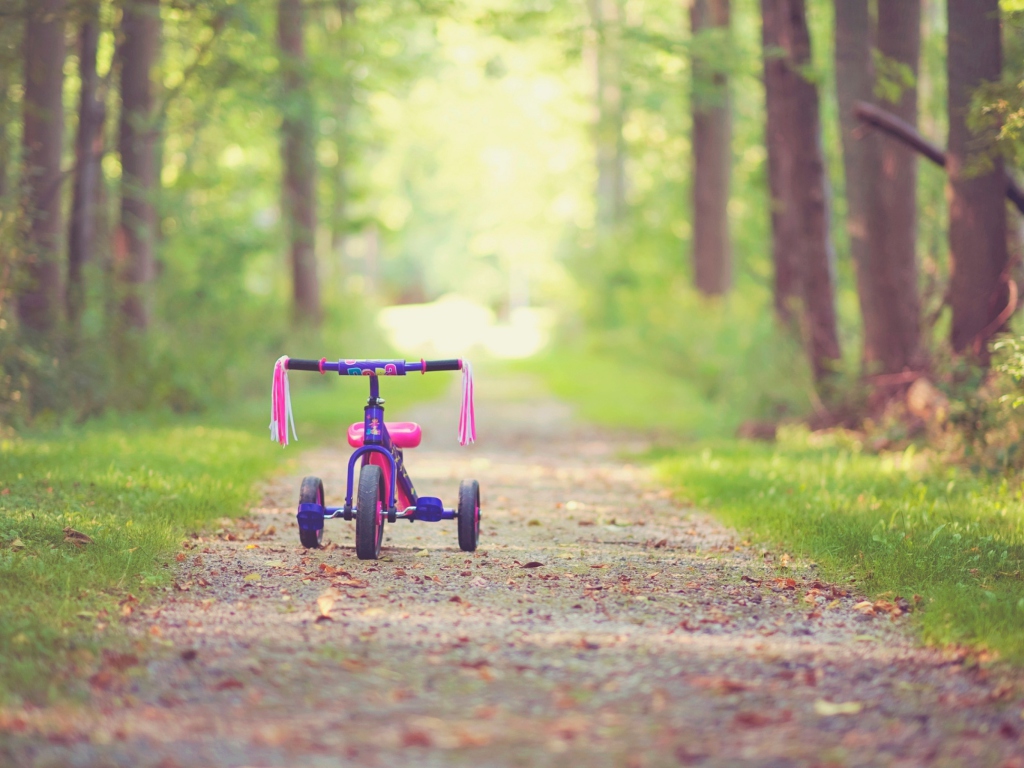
[
  {"x": 533, "y": 564},
  {"x": 17, "y": 544},
  {"x": 270, "y": 530},
  {"x": 455, "y": 599},
  {"x": 752, "y": 719},
  {"x": 228, "y": 683},
  {"x": 71, "y": 536},
  {"x": 183, "y": 587},
  {"x": 119, "y": 661},
  {"x": 274, "y": 563},
  {"x": 252, "y": 577},
  {"x": 866, "y": 607},
  {"x": 416, "y": 737},
  {"x": 180, "y": 557},
  {"x": 353, "y": 583},
  {"x": 423, "y": 553},
  {"x": 828, "y": 708},
  {"x": 479, "y": 581},
  {"x": 720, "y": 684},
  {"x": 602, "y": 565},
  {"x": 326, "y": 601},
  {"x": 534, "y": 522}
]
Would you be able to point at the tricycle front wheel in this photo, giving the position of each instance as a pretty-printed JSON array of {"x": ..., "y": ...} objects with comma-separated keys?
[
  {"x": 469, "y": 515},
  {"x": 369, "y": 516}
]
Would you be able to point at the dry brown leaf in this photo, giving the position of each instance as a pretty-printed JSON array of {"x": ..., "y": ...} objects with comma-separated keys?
[
  {"x": 228, "y": 683},
  {"x": 533, "y": 564},
  {"x": 71, "y": 536},
  {"x": 326, "y": 601}
]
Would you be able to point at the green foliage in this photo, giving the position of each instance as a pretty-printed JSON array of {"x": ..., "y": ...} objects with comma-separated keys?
[
  {"x": 701, "y": 385},
  {"x": 135, "y": 492},
  {"x": 894, "y": 523},
  {"x": 892, "y": 77}
]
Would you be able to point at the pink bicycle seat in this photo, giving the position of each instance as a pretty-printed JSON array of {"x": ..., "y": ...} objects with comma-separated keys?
[{"x": 404, "y": 434}]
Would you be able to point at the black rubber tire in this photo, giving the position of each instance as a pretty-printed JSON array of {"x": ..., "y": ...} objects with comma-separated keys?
[
  {"x": 469, "y": 515},
  {"x": 369, "y": 517},
  {"x": 311, "y": 492}
]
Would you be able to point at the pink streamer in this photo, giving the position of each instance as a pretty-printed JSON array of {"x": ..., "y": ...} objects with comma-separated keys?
[
  {"x": 467, "y": 416},
  {"x": 281, "y": 404}
]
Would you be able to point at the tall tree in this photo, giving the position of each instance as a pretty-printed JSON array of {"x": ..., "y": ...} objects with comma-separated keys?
[
  {"x": 342, "y": 116},
  {"x": 800, "y": 233},
  {"x": 140, "y": 30},
  {"x": 42, "y": 138},
  {"x": 786, "y": 287},
  {"x": 606, "y": 63},
  {"x": 892, "y": 338},
  {"x": 88, "y": 146},
  {"x": 977, "y": 211},
  {"x": 855, "y": 82},
  {"x": 298, "y": 160},
  {"x": 712, "y": 156}
]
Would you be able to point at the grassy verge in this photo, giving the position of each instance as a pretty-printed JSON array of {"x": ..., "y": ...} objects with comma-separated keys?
[
  {"x": 609, "y": 392},
  {"x": 899, "y": 526},
  {"x": 135, "y": 486},
  {"x": 901, "y": 529}
]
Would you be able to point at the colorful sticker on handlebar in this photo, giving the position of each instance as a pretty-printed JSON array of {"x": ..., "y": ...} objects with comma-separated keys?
[{"x": 374, "y": 368}]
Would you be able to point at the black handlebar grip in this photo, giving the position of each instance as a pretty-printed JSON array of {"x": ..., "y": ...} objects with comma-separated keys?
[
  {"x": 303, "y": 365},
  {"x": 444, "y": 365}
]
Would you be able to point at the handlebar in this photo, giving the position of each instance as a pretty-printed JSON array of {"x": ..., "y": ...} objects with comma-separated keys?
[{"x": 373, "y": 367}]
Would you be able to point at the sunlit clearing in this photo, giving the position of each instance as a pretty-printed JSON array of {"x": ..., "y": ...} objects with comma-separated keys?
[{"x": 455, "y": 325}]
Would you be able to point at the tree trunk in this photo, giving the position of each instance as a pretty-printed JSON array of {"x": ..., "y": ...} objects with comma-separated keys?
[
  {"x": 854, "y": 83},
  {"x": 892, "y": 341},
  {"x": 342, "y": 112},
  {"x": 605, "y": 19},
  {"x": 794, "y": 136},
  {"x": 42, "y": 139},
  {"x": 7, "y": 116},
  {"x": 140, "y": 27},
  {"x": 712, "y": 157},
  {"x": 977, "y": 212},
  {"x": 780, "y": 163},
  {"x": 299, "y": 166},
  {"x": 88, "y": 149}
]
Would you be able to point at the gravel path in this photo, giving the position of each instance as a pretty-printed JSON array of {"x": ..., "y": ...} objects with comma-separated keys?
[{"x": 599, "y": 624}]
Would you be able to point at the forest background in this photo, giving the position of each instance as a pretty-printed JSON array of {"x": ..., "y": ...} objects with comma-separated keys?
[{"x": 698, "y": 193}]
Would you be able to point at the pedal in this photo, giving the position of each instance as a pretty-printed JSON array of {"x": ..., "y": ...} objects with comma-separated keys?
[
  {"x": 429, "y": 508},
  {"x": 310, "y": 517}
]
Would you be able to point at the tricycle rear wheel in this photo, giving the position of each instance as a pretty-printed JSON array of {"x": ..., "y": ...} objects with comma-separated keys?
[
  {"x": 469, "y": 515},
  {"x": 369, "y": 518},
  {"x": 311, "y": 492}
]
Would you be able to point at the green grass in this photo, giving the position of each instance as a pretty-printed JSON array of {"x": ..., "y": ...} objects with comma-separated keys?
[
  {"x": 899, "y": 528},
  {"x": 608, "y": 391},
  {"x": 895, "y": 523},
  {"x": 136, "y": 485}
]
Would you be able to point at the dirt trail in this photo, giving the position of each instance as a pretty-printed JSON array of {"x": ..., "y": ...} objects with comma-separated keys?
[{"x": 648, "y": 636}]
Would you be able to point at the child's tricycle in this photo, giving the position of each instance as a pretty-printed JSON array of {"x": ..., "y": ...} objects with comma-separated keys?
[{"x": 385, "y": 490}]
